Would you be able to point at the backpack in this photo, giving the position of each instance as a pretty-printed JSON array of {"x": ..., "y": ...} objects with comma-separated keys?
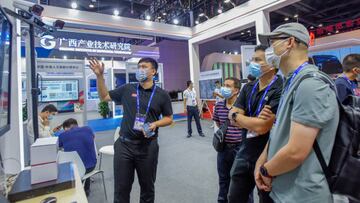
[{"x": 343, "y": 171}]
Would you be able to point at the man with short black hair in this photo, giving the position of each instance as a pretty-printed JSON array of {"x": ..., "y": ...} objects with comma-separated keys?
[
  {"x": 45, "y": 116},
  {"x": 265, "y": 92},
  {"x": 347, "y": 83},
  {"x": 146, "y": 109},
  {"x": 81, "y": 140},
  {"x": 232, "y": 137},
  {"x": 192, "y": 109}
]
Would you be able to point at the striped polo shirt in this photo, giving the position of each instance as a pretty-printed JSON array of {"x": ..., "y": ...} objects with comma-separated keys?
[{"x": 233, "y": 133}]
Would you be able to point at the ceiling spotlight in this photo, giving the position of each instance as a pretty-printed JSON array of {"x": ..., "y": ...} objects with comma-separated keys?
[
  {"x": 159, "y": 17},
  {"x": 286, "y": 19},
  {"x": 164, "y": 14},
  {"x": 312, "y": 27},
  {"x": 103, "y": 59},
  {"x": 337, "y": 31},
  {"x": 296, "y": 16},
  {"x": 148, "y": 17},
  {"x": 197, "y": 22},
  {"x": 74, "y": 5},
  {"x": 236, "y": 53},
  {"x": 242, "y": 33},
  {"x": 91, "y": 5},
  {"x": 320, "y": 25},
  {"x": 201, "y": 14},
  {"x": 116, "y": 12},
  {"x": 248, "y": 31},
  {"x": 224, "y": 52},
  {"x": 64, "y": 57},
  {"x": 329, "y": 33},
  {"x": 220, "y": 10},
  {"x": 176, "y": 21}
]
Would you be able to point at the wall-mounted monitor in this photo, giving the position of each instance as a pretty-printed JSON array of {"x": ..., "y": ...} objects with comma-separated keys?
[
  {"x": 59, "y": 90},
  {"x": 5, "y": 71}
]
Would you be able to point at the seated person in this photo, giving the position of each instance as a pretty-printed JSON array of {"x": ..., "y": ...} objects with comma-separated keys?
[
  {"x": 81, "y": 140},
  {"x": 44, "y": 119}
]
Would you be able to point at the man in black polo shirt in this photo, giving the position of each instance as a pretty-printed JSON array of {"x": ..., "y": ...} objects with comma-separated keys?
[
  {"x": 262, "y": 94},
  {"x": 137, "y": 147}
]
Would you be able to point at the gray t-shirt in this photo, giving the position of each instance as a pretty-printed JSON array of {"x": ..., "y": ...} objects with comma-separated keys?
[{"x": 313, "y": 104}]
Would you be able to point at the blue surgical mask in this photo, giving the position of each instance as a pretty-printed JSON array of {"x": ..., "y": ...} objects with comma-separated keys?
[
  {"x": 50, "y": 117},
  {"x": 141, "y": 75},
  {"x": 226, "y": 92},
  {"x": 254, "y": 69}
]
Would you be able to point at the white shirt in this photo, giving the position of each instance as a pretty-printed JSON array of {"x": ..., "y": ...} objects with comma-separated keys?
[
  {"x": 190, "y": 96},
  {"x": 44, "y": 131},
  {"x": 218, "y": 99}
]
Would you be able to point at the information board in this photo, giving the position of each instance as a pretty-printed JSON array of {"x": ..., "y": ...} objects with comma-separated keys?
[
  {"x": 59, "y": 90},
  {"x": 207, "y": 83}
]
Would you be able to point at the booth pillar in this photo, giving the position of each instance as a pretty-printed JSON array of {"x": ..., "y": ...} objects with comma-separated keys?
[
  {"x": 12, "y": 142},
  {"x": 194, "y": 60},
  {"x": 262, "y": 23}
]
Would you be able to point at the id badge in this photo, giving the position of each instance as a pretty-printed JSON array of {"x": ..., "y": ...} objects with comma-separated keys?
[
  {"x": 251, "y": 134},
  {"x": 139, "y": 122}
]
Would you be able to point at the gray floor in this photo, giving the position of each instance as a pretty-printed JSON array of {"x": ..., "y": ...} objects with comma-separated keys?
[{"x": 186, "y": 169}]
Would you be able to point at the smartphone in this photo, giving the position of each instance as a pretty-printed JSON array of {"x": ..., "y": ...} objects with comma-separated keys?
[{"x": 148, "y": 132}]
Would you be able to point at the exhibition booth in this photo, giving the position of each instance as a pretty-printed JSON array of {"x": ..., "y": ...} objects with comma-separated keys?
[{"x": 51, "y": 66}]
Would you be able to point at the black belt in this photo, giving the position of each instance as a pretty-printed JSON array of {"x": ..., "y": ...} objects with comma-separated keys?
[
  {"x": 133, "y": 141},
  {"x": 232, "y": 145}
]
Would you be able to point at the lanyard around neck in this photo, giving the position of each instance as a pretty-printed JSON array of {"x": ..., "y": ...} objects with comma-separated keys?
[
  {"x": 262, "y": 98},
  {"x": 138, "y": 99}
]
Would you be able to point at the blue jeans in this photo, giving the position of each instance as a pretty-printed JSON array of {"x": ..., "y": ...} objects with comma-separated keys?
[
  {"x": 225, "y": 161},
  {"x": 193, "y": 111}
]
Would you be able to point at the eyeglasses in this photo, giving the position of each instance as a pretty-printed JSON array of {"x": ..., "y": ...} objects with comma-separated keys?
[{"x": 272, "y": 40}]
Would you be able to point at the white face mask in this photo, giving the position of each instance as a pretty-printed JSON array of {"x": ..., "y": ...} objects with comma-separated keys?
[{"x": 273, "y": 59}]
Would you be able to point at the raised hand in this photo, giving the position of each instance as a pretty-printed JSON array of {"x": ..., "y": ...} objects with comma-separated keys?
[{"x": 96, "y": 66}]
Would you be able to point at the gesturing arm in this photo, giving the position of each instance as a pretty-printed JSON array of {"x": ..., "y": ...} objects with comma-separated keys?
[{"x": 98, "y": 69}]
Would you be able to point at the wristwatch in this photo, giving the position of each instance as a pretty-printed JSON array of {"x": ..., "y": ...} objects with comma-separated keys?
[
  {"x": 234, "y": 115},
  {"x": 264, "y": 172}
]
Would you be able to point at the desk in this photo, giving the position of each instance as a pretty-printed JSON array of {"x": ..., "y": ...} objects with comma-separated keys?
[{"x": 76, "y": 194}]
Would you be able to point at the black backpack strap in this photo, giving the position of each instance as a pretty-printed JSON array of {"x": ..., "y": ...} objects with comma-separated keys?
[{"x": 316, "y": 146}]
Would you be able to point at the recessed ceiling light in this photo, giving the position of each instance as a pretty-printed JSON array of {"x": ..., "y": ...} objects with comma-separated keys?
[
  {"x": 220, "y": 10},
  {"x": 197, "y": 22},
  {"x": 312, "y": 27},
  {"x": 296, "y": 16},
  {"x": 320, "y": 25},
  {"x": 91, "y": 5},
  {"x": 286, "y": 19},
  {"x": 159, "y": 17},
  {"x": 248, "y": 31},
  {"x": 201, "y": 14},
  {"x": 236, "y": 53},
  {"x": 329, "y": 33},
  {"x": 242, "y": 33},
  {"x": 74, "y": 5},
  {"x": 227, "y": 1},
  {"x": 224, "y": 52},
  {"x": 337, "y": 31},
  {"x": 64, "y": 57},
  {"x": 164, "y": 14},
  {"x": 116, "y": 12},
  {"x": 148, "y": 17},
  {"x": 176, "y": 21},
  {"x": 103, "y": 59}
]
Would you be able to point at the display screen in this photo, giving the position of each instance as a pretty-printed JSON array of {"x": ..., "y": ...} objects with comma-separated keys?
[
  {"x": 59, "y": 90},
  {"x": 5, "y": 67},
  {"x": 93, "y": 93}
]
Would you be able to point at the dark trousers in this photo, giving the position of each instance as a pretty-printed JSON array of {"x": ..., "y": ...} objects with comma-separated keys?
[
  {"x": 243, "y": 183},
  {"x": 193, "y": 111},
  {"x": 225, "y": 160},
  {"x": 130, "y": 157},
  {"x": 87, "y": 181}
]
